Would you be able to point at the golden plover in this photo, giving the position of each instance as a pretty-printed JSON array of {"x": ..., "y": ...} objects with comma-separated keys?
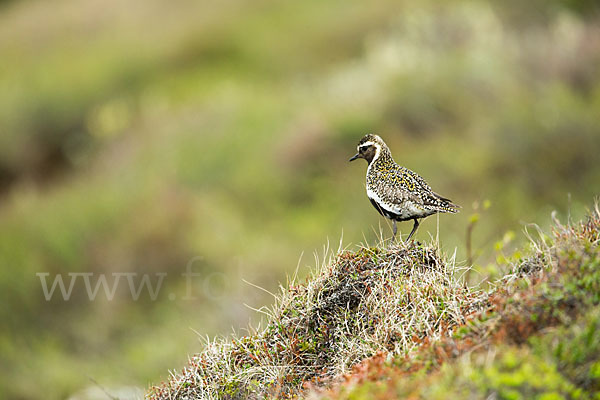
[{"x": 397, "y": 192}]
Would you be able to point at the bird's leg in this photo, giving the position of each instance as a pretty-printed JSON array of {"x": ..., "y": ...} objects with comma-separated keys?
[
  {"x": 414, "y": 229},
  {"x": 395, "y": 230}
]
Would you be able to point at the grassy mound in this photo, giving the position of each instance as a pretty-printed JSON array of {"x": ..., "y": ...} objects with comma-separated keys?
[
  {"x": 357, "y": 304},
  {"x": 538, "y": 338}
]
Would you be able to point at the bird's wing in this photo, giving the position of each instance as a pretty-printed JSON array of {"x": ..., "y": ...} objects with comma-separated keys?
[
  {"x": 399, "y": 186},
  {"x": 412, "y": 187}
]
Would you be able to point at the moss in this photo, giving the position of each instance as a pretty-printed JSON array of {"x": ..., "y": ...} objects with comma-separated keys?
[{"x": 518, "y": 374}]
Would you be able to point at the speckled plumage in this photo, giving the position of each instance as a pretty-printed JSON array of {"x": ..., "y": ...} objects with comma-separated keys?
[{"x": 397, "y": 192}]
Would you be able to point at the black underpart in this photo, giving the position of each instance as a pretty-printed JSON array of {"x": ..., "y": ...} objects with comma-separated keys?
[{"x": 388, "y": 214}]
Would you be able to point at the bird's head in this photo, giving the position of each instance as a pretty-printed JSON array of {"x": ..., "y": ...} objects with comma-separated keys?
[{"x": 369, "y": 148}]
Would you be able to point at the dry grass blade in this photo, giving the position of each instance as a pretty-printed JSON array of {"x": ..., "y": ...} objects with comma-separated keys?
[{"x": 356, "y": 303}]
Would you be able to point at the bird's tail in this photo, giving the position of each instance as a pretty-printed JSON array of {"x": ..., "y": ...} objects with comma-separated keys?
[{"x": 447, "y": 205}]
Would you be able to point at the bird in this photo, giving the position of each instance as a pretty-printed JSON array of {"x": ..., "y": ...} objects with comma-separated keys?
[{"x": 396, "y": 192}]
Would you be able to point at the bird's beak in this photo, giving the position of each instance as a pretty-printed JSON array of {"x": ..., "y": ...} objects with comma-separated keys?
[{"x": 357, "y": 155}]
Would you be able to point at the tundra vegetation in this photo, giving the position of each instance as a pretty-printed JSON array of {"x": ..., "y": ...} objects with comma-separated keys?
[{"x": 143, "y": 137}]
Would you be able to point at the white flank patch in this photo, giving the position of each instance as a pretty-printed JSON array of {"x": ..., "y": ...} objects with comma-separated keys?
[{"x": 407, "y": 211}]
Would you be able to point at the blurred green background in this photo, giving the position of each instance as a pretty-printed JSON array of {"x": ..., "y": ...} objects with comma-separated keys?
[{"x": 142, "y": 135}]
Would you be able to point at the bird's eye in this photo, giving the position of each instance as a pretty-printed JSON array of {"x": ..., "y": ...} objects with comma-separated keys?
[{"x": 363, "y": 149}]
